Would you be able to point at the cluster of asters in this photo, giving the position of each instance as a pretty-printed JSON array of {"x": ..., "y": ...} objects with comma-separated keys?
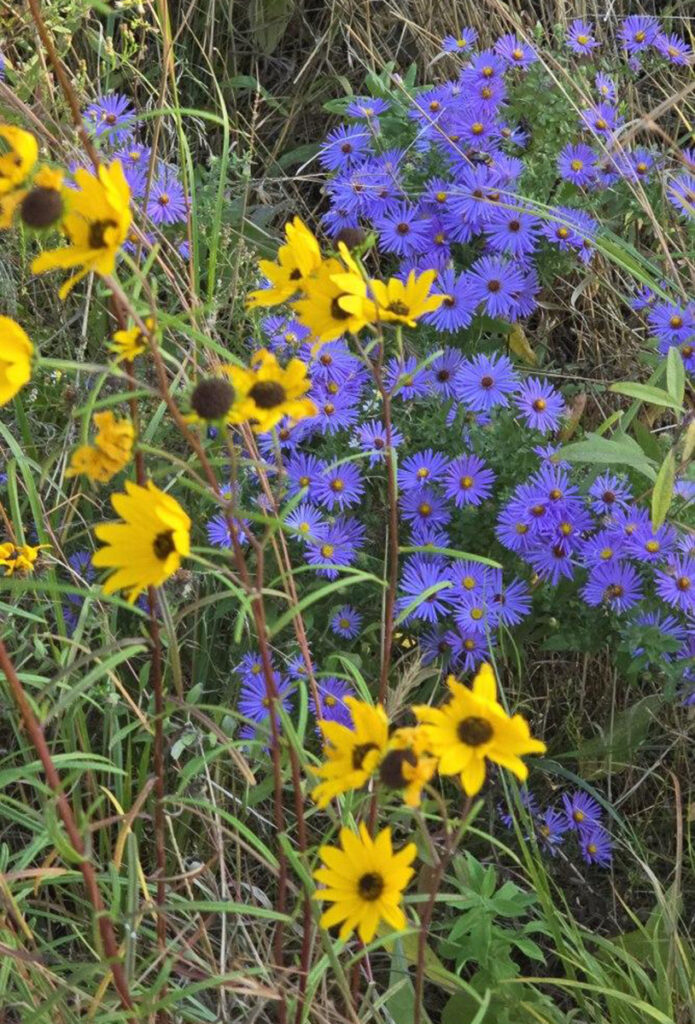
[
  {"x": 580, "y": 818},
  {"x": 670, "y": 321}
]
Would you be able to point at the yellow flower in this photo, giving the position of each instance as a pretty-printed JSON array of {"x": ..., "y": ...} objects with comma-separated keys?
[
  {"x": 365, "y": 880},
  {"x": 131, "y": 343},
  {"x": 335, "y": 302},
  {"x": 111, "y": 451},
  {"x": 266, "y": 392},
  {"x": 16, "y": 351},
  {"x": 18, "y": 161},
  {"x": 296, "y": 262},
  {"x": 96, "y": 222},
  {"x": 406, "y": 766},
  {"x": 405, "y": 303},
  {"x": 471, "y": 727},
  {"x": 19, "y": 558},
  {"x": 352, "y": 755},
  {"x": 147, "y": 547}
]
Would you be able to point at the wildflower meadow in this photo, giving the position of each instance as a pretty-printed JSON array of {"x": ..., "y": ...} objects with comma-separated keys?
[{"x": 347, "y": 512}]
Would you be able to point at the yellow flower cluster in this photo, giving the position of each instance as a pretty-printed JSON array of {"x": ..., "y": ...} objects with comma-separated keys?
[
  {"x": 332, "y": 296},
  {"x": 19, "y": 557},
  {"x": 455, "y": 739},
  {"x": 111, "y": 451},
  {"x": 16, "y": 351}
]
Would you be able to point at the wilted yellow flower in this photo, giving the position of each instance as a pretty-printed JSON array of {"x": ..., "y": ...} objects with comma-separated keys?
[
  {"x": 111, "y": 451},
  {"x": 132, "y": 342},
  {"x": 17, "y": 163},
  {"x": 19, "y": 557},
  {"x": 146, "y": 548},
  {"x": 266, "y": 392},
  {"x": 16, "y": 351},
  {"x": 96, "y": 222},
  {"x": 296, "y": 262}
]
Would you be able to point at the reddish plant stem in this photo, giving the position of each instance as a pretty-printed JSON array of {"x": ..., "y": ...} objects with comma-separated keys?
[
  {"x": 158, "y": 763},
  {"x": 36, "y": 735},
  {"x": 392, "y": 495}
]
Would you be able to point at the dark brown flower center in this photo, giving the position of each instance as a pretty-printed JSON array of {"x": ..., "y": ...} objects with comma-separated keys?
[
  {"x": 391, "y": 770},
  {"x": 370, "y": 886},
  {"x": 493, "y": 286},
  {"x": 403, "y": 228},
  {"x": 97, "y": 230},
  {"x": 474, "y": 731},
  {"x": 486, "y": 382},
  {"x": 41, "y": 207},
  {"x": 397, "y": 307},
  {"x": 613, "y": 591},
  {"x": 337, "y": 311},
  {"x": 163, "y": 545},
  {"x": 360, "y": 751},
  {"x": 212, "y": 398},
  {"x": 267, "y": 394}
]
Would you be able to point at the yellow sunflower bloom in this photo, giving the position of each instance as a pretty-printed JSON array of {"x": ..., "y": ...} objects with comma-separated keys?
[
  {"x": 146, "y": 548},
  {"x": 96, "y": 222},
  {"x": 40, "y": 205},
  {"x": 112, "y": 449},
  {"x": 352, "y": 755},
  {"x": 17, "y": 162},
  {"x": 16, "y": 351},
  {"x": 266, "y": 392},
  {"x": 364, "y": 881},
  {"x": 406, "y": 766},
  {"x": 128, "y": 344},
  {"x": 406, "y": 303},
  {"x": 471, "y": 727},
  {"x": 335, "y": 302},
  {"x": 296, "y": 262},
  {"x": 19, "y": 558}
]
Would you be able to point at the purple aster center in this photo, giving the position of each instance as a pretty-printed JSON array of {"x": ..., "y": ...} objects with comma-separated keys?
[
  {"x": 443, "y": 376},
  {"x": 683, "y": 583},
  {"x": 403, "y": 228},
  {"x": 346, "y": 147},
  {"x": 514, "y": 226},
  {"x": 163, "y": 199},
  {"x": 494, "y": 285},
  {"x": 609, "y": 497},
  {"x": 486, "y": 382},
  {"x": 379, "y": 442}
]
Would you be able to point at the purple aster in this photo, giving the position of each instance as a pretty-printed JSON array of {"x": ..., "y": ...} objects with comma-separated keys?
[
  {"x": 468, "y": 648},
  {"x": 340, "y": 486},
  {"x": 420, "y": 574},
  {"x": 111, "y": 118},
  {"x": 552, "y": 560},
  {"x": 513, "y": 529},
  {"x": 404, "y": 379},
  {"x": 638, "y": 32},
  {"x": 473, "y": 615},
  {"x": 484, "y": 66},
  {"x": 424, "y": 534},
  {"x": 421, "y": 470},
  {"x": 514, "y": 52},
  {"x": 219, "y": 531},
  {"x": 685, "y": 489},
  {"x": 676, "y": 585},
  {"x": 338, "y": 548},
  {"x": 512, "y": 603},
  {"x": 296, "y": 667},
  {"x": 636, "y": 165},
  {"x": 643, "y": 298},
  {"x": 605, "y": 87},
  {"x": 337, "y": 407},
  {"x": 470, "y": 577},
  {"x": 344, "y": 146},
  {"x": 254, "y": 703},
  {"x": 577, "y": 164},
  {"x": 580, "y": 37},
  {"x": 615, "y": 584},
  {"x": 371, "y": 437},
  {"x": 346, "y": 622},
  {"x": 403, "y": 231},
  {"x": 167, "y": 203},
  {"x": 436, "y": 193},
  {"x": 596, "y": 847},
  {"x": 608, "y": 492},
  {"x": 367, "y": 108},
  {"x": 602, "y": 119},
  {"x": 495, "y": 282},
  {"x": 456, "y": 311},
  {"x": 334, "y": 362},
  {"x": 250, "y": 667},
  {"x": 540, "y": 405},
  {"x": 681, "y": 193},
  {"x": 304, "y": 471},
  {"x": 649, "y": 545},
  {"x": 486, "y": 381},
  {"x": 668, "y": 632},
  {"x": 514, "y": 232},
  {"x": 551, "y": 453},
  {"x": 135, "y": 161},
  {"x": 475, "y": 126},
  {"x": 338, "y": 218},
  {"x": 671, "y": 323},
  {"x": 550, "y": 830},
  {"x": 626, "y": 521},
  {"x": 487, "y": 97},
  {"x": 331, "y": 704},
  {"x": 442, "y": 372},
  {"x": 581, "y": 811},
  {"x": 424, "y": 506},
  {"x": 306, "y": 523},
  {"x": 461, "y": 43},
  {"x": 468, "y": 481},
  {"x": 527, "y": 800},
  {"x": 605, "y": 546},
  {"x": 433, "y": 645}
]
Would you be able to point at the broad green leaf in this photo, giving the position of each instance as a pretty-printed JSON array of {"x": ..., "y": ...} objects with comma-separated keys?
[
  {"x": 662, "y": 495},
  {"x": 605, "y": 451},
  {"x": 675, "y": 375},
  {"x": 645, "y": 393},
  {"x": 647, "y": 441}
]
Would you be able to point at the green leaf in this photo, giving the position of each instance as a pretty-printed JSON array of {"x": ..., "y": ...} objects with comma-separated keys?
[
  {"x": 610, "y": 452},
  {"x": 675, "y": 375},
  {"x": 662, "y": 495},
  {"x": 646, "y": 393},
  {"x": 647, "y": 441}
]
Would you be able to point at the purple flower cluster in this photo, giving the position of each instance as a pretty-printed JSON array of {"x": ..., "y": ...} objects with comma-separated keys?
[
  {"x": 253, "y": 702},
  {"x": 580, "y": 817}
]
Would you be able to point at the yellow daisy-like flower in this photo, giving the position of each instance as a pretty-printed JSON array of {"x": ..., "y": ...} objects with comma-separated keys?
[
  {"x": 132, "y": 342},
  {"x": 364, "y": 881},
  {"x": 16, "y": 351},
  {"x": 406, "y": 303},
  {"x": 406, "y": 765},
  {"x": 112, "y": 449},
  {"x": 266, "y": 392},
  {"x": 147, "y": 547},
  {"x": 471, "y": 727},
  {"x": 334, "y": 302},
  {"x": 19, "y": 558},
  {"x": 40, "y": 206},
  {"x": 96, "y": 222},
  {"x": 352, "y": 755},
  {"x": 16, "y": 164},
  {"x": 296, "y": 262}
]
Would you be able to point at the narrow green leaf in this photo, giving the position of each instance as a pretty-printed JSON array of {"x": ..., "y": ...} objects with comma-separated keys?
[
  {"x": 663, "y": 490},
  {"x": 608, "y": 452},
  {"x": 675, "y": 375},
  {"x": 645, "y": 393}
]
